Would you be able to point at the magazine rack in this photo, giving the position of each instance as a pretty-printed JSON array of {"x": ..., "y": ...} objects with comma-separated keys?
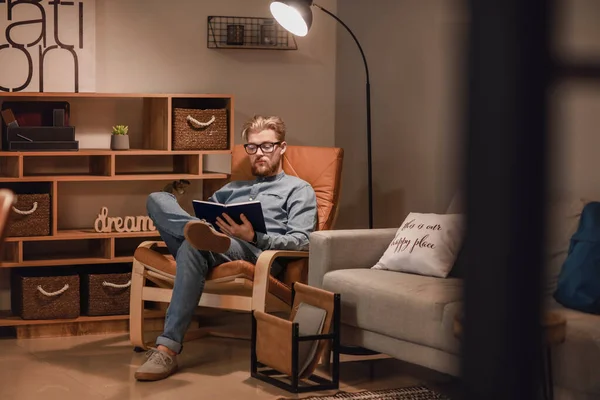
[{"x": 276, "y": 355}]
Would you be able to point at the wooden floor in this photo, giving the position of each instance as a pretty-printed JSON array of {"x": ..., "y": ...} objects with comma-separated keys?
[{"x": 94, "y": 367}]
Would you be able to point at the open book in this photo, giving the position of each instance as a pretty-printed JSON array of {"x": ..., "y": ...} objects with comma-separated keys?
[{"x": 209, "y": 211}]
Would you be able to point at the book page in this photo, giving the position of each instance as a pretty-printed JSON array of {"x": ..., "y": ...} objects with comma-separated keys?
[{"x": 242, "y": 203}]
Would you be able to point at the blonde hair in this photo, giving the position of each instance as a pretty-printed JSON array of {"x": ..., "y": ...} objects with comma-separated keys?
[{"x": 258, "y": 123}]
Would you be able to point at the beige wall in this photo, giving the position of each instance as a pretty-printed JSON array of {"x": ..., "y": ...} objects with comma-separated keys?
[
  {"x": 154, "y": 46},
  {"x": 414, "y": 54},
  {"x": 168, "y": 41},
  {"x": 575, "y": 113}
]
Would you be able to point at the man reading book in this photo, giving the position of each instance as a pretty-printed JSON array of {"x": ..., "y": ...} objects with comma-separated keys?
[{"x": 289, "y": 207}]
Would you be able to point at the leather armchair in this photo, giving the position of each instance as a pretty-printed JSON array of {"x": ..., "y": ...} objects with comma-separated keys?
[{"x": 241, "y": 285}]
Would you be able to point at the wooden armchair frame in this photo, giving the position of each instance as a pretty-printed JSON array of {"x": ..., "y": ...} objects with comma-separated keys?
[
  {"x": 7, "y": 200},
  {"x": 240, "y": 285}
]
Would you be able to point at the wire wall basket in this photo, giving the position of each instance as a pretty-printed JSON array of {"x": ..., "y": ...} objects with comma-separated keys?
[{"x": 248, "y": 33}]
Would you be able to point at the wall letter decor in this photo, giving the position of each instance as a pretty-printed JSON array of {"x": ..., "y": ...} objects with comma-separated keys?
[{"x": 47, "y": 46}]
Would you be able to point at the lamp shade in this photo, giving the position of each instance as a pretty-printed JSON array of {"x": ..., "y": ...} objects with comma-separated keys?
[{"x": 294, "y": 15}]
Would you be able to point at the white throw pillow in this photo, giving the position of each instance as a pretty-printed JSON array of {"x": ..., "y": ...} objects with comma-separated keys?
[{"x": 425, "y": 244}]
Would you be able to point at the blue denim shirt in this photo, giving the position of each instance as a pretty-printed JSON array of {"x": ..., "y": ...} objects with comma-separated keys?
[{"x": 289, "y": 206}]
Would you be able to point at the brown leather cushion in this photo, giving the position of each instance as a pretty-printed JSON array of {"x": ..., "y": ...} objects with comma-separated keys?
[
  {"x": 155, "y": 261},
  {"x": 241, "y": 269},
  {"x": 245, "y": 269},
  {"x": 321, "y": 167}
]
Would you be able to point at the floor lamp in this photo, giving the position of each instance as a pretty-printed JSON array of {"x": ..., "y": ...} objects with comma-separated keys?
[{"x": 296, "y": 17}]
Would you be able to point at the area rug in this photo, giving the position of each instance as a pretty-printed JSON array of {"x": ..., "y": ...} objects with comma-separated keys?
[{"x": 409, "y": 393}]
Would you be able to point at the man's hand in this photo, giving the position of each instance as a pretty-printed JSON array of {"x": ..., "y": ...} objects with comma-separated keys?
[{"x": 228, "y": 226}]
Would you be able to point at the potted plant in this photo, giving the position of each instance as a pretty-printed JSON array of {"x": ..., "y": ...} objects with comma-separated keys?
[{"x": 119, "y": 139}]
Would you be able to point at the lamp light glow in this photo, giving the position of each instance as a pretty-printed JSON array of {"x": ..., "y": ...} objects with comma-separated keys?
[{"x": 295, "y": 17}]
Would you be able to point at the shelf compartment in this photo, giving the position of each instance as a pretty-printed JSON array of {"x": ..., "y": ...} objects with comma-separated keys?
[
  {"x": 20, "y": 188},
  {"x": 125, "y": 247},
  {"x": 11, "y": 252},
  {"x": 52, "y": 252},
  {"x": 186, "y": 164},
  {"x": 248, "y": 33},
  {"x": 204, "y": 104},
  {"x": 94, "y": 116},
  {"x": 156, "y": 122},
  {"x": 82, "y": 165},
  {"x": 10, "y": 166},
  {"x": 122, "y": 198}
]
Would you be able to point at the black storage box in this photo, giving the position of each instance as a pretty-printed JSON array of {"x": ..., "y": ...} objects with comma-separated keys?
[{"x": 39, "y": 124}]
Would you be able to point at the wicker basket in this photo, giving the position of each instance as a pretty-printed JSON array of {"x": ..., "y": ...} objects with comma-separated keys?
[
  {"x": 105, "y": 294},
  {"x": 35, "y": 296},
  {"x": 197, "y": 129},
  {"x": 31, "y": 215}
]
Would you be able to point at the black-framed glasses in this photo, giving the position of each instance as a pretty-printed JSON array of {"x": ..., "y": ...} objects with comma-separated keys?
[{"x": 266, "y": 147}]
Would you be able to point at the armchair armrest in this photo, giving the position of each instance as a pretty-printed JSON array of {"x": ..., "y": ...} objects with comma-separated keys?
[
  {"x": 138, "y": 268},
  {"x": 151, "y": 243},
  {"x": 345, "y": 249},
  {"x": 262, "y": 270}
]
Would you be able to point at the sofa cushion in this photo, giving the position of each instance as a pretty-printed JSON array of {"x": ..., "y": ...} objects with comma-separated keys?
[
  {"x": 563, "y": 210},
  {"x": 576, "y": 362},
  {"x": 415, "y": 308},
  {"x": 425, "y": 244}
]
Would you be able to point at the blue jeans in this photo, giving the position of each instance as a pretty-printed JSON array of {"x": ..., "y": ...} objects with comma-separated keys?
[{"x": 192, "y": 265}]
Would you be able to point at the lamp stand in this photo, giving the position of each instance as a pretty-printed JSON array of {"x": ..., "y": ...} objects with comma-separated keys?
[{"x": 368, "y": 89}]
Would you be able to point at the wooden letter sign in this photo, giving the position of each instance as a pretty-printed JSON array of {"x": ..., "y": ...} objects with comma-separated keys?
[{"x": 104, "y": 223}]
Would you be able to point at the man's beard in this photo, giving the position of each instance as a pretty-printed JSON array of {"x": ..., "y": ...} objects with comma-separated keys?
[{"x": 263, "y": 169}]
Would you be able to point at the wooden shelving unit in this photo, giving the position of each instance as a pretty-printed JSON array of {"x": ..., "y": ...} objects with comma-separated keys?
[{"x": 151, "y": 158}]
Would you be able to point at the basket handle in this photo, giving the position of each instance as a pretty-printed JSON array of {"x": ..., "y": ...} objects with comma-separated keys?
[
  {"x": 115, "y": 285},
  {"x": 28, "y": 212},
  {"x": 198, "y": 124},
  {"x": 60, "y": 291}
]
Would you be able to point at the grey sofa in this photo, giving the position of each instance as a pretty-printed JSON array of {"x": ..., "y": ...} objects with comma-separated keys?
[
  {"x": 405, "y": 316},
  {"x": 410, "y": 317}
]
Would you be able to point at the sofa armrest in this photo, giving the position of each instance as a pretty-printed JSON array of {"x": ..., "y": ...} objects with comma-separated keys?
[{"x": 345, "y": 249}]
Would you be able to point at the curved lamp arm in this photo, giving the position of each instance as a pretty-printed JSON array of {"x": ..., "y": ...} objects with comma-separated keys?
[
  {"x": 369, "y": 158},
  {"x": 353, "y": 37}
]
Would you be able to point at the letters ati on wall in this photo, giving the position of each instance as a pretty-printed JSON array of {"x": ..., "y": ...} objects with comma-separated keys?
[{"x": 47, "y": 46}]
